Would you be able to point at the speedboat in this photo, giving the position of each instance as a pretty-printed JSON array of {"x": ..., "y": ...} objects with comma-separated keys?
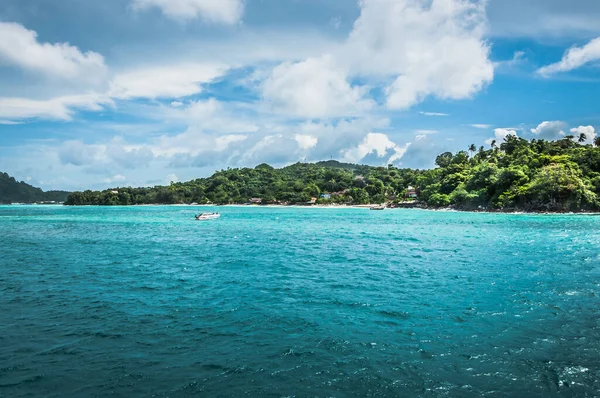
[
  {"x": 382, "y": 207},
  {"x": 207, "y": 216}
]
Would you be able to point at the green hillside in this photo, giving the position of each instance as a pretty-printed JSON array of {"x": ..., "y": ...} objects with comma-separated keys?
[
  {"x": 13, "y": 191},
  {"x": 535, "y": 175}
]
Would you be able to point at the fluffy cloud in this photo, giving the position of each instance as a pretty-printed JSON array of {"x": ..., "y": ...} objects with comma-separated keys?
[
  {"x": 20, "y": 47},
  {"x": 421, "y": 152},
  {"x": 431, "y": 48},
  {"x": 574, "y": 58},
  {"x": 61, "y": 108},
  {"x": 425, "y": 48},
  {"x": 334, "y": 138},
  {"x": 500, "y": 135},
  {"x": 217, "y": 11},
  {"x": 550, "y": 130},
  {"x": 164, "y": 82},
  {"x": 378, "y": 144},
  {"x": 433, "y": 114},
  {"x": 77, "y": 153},
  {"x": 314, "y": 88},
  {"x": 115, "y": 178},
  {"x": 481, "y": 126},
  {"x": 116, "y": 153},
  {"x": 306, "y": 141},
  {"x": 588, "y": 131}
]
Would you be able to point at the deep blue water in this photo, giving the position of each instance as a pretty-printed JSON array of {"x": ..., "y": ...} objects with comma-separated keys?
[{"x": 278, "y": 302}]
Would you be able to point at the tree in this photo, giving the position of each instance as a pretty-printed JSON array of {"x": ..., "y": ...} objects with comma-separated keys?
[
  {"x": 359, "y": 196},
  {"x": 472, "y": 149},
  {"x": 444, "y": 159},
  {"x": 582, "y": 138},
  {"x": 597, "y": 141}
]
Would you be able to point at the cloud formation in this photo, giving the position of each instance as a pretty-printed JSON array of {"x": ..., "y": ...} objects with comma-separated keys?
[
  {"x": 314, "y": 88},
  {"x": 60, "y": 108},
  {"x": 588, "y": 131},
  {"x": 431, "y": 48},
  {"x": 550, "y": 130},
  {"x": 433, "y": 114},
  {"x": 574, "y": 58},
  {"x": 174, "y": 81},
  {"x": 20, "y": 47},
  {"x": 377, "y": 144},
  {"x": 500, "y": 135},
  {"x": 215, "y": 11}
]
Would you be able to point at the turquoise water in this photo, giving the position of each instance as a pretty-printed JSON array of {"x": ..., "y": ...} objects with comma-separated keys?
[{"x": 277, "y": 302}]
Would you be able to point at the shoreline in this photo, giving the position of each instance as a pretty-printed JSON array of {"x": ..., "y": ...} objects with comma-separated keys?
[{"x": 364, "y": 207}]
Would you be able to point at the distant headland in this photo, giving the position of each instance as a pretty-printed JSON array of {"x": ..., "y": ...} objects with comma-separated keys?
[{"x": 13, "y": 191}]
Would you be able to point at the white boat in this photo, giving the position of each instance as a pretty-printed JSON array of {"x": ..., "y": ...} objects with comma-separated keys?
[
  {"x": 382, "y": 207},
  {"x": 207, "y": 216}
]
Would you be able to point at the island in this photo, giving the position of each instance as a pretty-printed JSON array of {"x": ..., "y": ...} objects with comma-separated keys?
[{"x": 516, "y": 175}]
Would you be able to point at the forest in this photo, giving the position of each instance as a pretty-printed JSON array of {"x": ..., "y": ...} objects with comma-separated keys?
[
  {"x": 13, "y": 191},
  {"x": 515, "y": 175}
]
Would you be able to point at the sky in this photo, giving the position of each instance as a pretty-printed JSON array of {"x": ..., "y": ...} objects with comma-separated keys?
[{"x": 147, "y": 92}]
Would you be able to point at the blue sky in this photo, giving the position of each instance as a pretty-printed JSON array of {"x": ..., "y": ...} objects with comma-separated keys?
[{"x": 144, "y": 92}]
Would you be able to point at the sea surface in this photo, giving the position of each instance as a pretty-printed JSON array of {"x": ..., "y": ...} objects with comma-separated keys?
[{"x": 285, "y": 302}]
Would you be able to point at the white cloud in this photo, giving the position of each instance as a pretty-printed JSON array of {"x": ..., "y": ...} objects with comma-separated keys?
[
  {"x": 574, "y": 58},
  {"x": 506, "y": 65},
  {"x": 116, "y": 153},
  {"x": 314, "y": 88},
  {"x": 176, "y": 104},
  {"x": 589, "y": 131},
  {"x": 61, "y": 108},
  {"x": 171, "y": 178},
  {"x": 500, "y": 135},
  {"x": 425, "y": 131},
  {"x": 217, "y": 11},
  {"x": 425, "y": 48},
  {"x": 306, "y": 141},
  {"x": 481, "y": 126},
  {"x": 20, "y": 47},
  {"x": 378, "y": 144},
  {"x": 164, "y": 82},
  {"x": 77, "y": 153},
  {"x": 421, "y": 153},
  {"x": 115, "y": 178},
  {"x": 431, "y": 48},
  {"x": 223, "y": 142},
  {"x": 9, "y": 122},
  {"x": 550, "y": 130},
  {"x": 433, "y": 114}
]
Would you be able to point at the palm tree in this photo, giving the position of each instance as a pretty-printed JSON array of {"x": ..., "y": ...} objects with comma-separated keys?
[
  {"x": 493, "y": 144},
  {"x": 582, "y": 138},
  {"x": 472, "y": 149},
  {"x": 597, "y": 141}
]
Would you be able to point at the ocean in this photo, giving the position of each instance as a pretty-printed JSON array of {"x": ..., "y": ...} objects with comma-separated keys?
[{"x": 297, "y": 302}]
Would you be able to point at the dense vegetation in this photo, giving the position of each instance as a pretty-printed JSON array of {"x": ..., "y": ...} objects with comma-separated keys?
[
  {"x": 12, "y": 191},
  {"x": 539, "y": 175},
  {"x": 294, "y": 184}
]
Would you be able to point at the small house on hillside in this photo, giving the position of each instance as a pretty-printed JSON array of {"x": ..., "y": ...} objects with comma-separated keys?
[
  {"x": 312, "y": 201},
  {"x": 326, "y": 196},
  {"x": 256, "y": 201},
  {"x": 411, "y": 193}
]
